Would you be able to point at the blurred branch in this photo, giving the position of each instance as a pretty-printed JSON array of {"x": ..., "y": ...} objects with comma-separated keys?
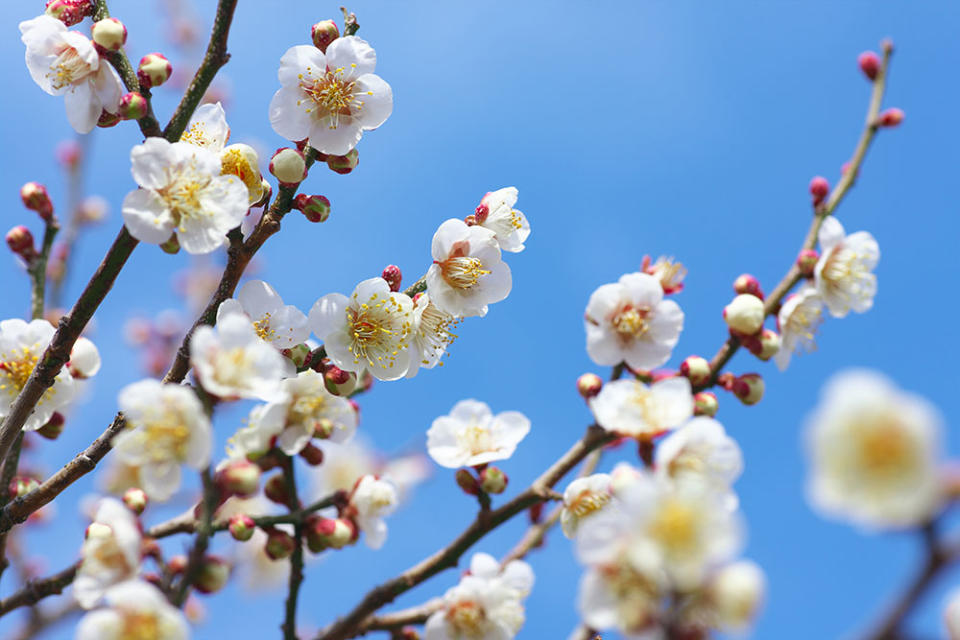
[
  {"x": 36, "y": 590},
  {"x": 289, "y": 626},
  {"x": 202, "y": 542}
]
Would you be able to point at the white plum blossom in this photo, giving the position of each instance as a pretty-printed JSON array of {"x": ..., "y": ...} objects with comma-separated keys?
[
  {"x": 305, "y": 410},
  {"x": 629, "y": 321},
  {"x": 431, "y": 334},
  {"x": 182, "y": 191},
  {"x": 135, "y": 610},
  {"x": 616, "y": 594},
  {"x": 467, "y": 273},
  {"x": 700, "y": 450},
  {"x": 509, "y": 226},
  {"x": 487, "y": 604},
  {"x": 208, "y": 128},
  {"x": 231, "y": 361},
  {"x": 582, "y": 498},
  {"x": 281, "y": 325},
  {"x": 166, "y": 427},
  {"x": 472, "y": 435},
  {"x": 632, "y": 408},
  {"x": 798, "y": 321},
  {"x": 873, "y": 452},
  {"x": 110, "y": 553},
  {"x": 84, "y": 359},
  {"x": 330, "y": 98},
  {"x": 372, "y": 500},
  {"x": 368, "y": 331},
  {"x": 345, "y": 463},
  {"x": 681, "y": 529},
  {"x": 844, "y": 274},
  {"x": 64, "y": 62},
  {"x": 21, "y": 346}
]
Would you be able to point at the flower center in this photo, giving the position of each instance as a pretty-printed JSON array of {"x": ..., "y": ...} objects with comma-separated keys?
[
  {"x": 468, "y": 618},
  {"x": 804, "y": 321},
  {"x": 16, "y": 370},
  {"x": 108, "y": 554},
  {"x": 263, "y": 328},
  {"x": 182, "y": 194},
  {"x": 475, "y": 439},
  {"x": 67, "y": 68},
  {"x": 845, "y": 273},
  {"x": 140, "y": 625},
  {"x": 330, "y": 95},
  {"x": 232, "y": 367},
  {"x": 233, "y": 162},
  {"x": 305, "y": 409},
  {"x": 631, "y": 323},
  {"x": 587, "y": 502},
  {"x": 166, "y": 436},
  {"x": 377, "y": 335},
  {"x": 434, "y": 330},
  {"x": 462, "y": 272},
  {"x": 196, "y": 134},
  {"x": 884, "y": 448},
  {"x": 675, "y": 526}
]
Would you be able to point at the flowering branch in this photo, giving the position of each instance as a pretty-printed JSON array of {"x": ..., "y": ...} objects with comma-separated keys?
[
  {"x": 36, "y": 590},
  {"x": 485, "y": 522},
  {"x": 821, "y": 212}
]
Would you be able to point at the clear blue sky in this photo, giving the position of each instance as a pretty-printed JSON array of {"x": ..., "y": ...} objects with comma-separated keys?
[{"x": 682, "y": 128}]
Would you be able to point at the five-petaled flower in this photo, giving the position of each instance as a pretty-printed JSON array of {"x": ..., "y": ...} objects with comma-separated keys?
[
  {"x": 21, "y": 346},
  {"x": 371, "y": 501},
  {"x": 631, "y": 408},
  {"x": 472, "y": 435},
  {"x": 110, "y": 553},
  {"x": 799, "y": 318},
  {"x": 281, "y": 325},
  {"x": 496, "y": 213},
  {"x": 135, "y": 610},
  {"x": 844, "y": 274},
  {"x": 431, "y": 334}
]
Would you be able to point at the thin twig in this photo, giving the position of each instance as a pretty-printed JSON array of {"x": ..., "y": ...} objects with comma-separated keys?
[
  {"x": 36, "y": 590},
  {"x": 289, "y": 626},
  {"x": 202, "y": 541}
]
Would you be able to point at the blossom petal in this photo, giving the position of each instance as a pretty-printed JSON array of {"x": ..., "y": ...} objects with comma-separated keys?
[{"x": 146, "y": 216}]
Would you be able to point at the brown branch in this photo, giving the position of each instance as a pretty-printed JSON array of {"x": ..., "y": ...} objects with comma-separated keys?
[
  {"x": 289, "y": 626},
  {"x": 36, "y": 590},
  {"x": 202, "y": 542},
  {"x": 840, "y": 190},
  {"x": 485, "y": 522},
  {"x": 400, "y": 619}
]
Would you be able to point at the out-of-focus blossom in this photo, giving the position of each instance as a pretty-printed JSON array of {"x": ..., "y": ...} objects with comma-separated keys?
[
  {"x": 632, "y": 408},
  {"x": 110, "y": 553},
  {"x": 700, "y": 451},
  {"x": 582, "y": 498},
  {"x": 799, "y": 318},
  {"x": 231, "y": 361},
  {"x": 472, "y": 435},
  {"x": 281, "y": 325},
  {"x": 135, "y": 610},
  {"x": 844, "y": 275},
  {"x": 84, "y": 359},
  {"x": 373, "y": 500}
]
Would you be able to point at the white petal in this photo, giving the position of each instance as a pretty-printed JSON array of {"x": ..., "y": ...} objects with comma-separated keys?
[
  {"x": 328, "y": 314},
  {"x": 289, "y": 119},
  {"x": 146, "y": 216},
  {"x": 377, "y": 98},
  {"x": 149, "y": 162},
  {"x": 83, "y": 107},
  {"x": 354, "y": 55}
]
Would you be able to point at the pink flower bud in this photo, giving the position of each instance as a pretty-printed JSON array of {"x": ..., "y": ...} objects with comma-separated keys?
[
  {"x": 493, "y": 480},
  {"x": 480, "y": 214},
  {"x": 21, "y": 486},
  {"x": 312, "y": 455},
  {"x": 133, "y": 106},
  {"x": 212, "y": 574},
  {"x": 241, "y": 527},
  {"x": 135, "y": 499},
  {"x": 279, "y": 545},
  {"x": 819, "y": 189},
  {"x": 765, "y": 345},
  {"x": 20, "y": 241},
  {"x": 36, "y": 198},
  {"x": 744, "y": 315},
  {"x": 468, "y": 482},
  {"x": 288, "y": 166},
  {"x": 108, "y": 119},
  {"x": 326, "y": 533},
  {"x": 314, "y": 208},
  {"x": 108, "y": 35},
  {"x": 339, "y": 382},
  {"x": 344, "y": 164},
  {"x": 323, "y": 33},
  {"x": 705, "y": 404},
  {"x": 54, "y": 426},
  {"x": 239, "y": 477},
  {"x": 69, "y": 154},
  {"x": 746, "y": 283},
  {"x": 69, "y": 12},
  {"x": 391, "y": 273},
  {"x": 154, "y": 69},
  {"x": 869, "y": 63},
  {"x": 696, "y": 369},
  {"x": 890, "y": 118},
  {"x": 275, "y": 489},
  {"x": 748, "y": 388},
  {"x": 177, "y": 564},
  {"x": 589, "y": 385},
  {"x": 807, "y": 261}
]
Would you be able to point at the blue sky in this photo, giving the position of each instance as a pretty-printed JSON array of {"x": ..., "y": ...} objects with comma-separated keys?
[{"x": 682, "y": 128}]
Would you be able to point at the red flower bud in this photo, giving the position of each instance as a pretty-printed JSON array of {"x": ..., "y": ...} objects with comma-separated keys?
[
  {"x": 391, "y": 273},
  {"x": 36, "y": 198},
  {"x": 323, "y": 33},
  {"x": 135, "y": 499},
  {"x": 746, "y": 283},
  {"x": 819, "y": 189},
  {"x": 69, "y": 12},
  {"x": 891, "y": 117},
  {"x": 133, "y": 106},
  {"x": 344, "y": 164},
  {"x": 589, "y": 385},
  {"x": 154, "y": 69},
  {"x": 314, "y": 208},
  {"x": 869, "y": 63},
  {"x": 20, "y": 241},
  {"x": 241, "y": 527}
]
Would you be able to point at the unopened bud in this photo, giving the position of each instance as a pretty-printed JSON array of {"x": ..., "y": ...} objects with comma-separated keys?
[
  {"x": 135, "y": 499},
  {"x": 869, "y": 63},
  {"x": 97, "y": 530},
  {"x": 314, "y": 208},
  {"x": 746, "y": 283},
  {"x": 493, "y": 480},
  {"x": 298, "y": 355},
  {"x": 328, "y": 533},
  {"x": 154, "y": 69},
  {"x": 819, "y": 189},
  {"x": 280, "y": 545},
  {"x": 744, "y": 314},
  {"x": 696, "y": 369},
  {"x": 212, "y": 574},
  {"x": 748, "y": 388},
  {"x": 108, "y": 119},
  {"x": 133, "y": 106},
  {"x": 344, "y": 164},
  {"x": 21, "y": 486},
  {"x": 36, "y": 198},
  {"x": 339, "y": 382},
  {"x": 288, "y": 166},
  {"x": 20, "y": 241},
  {"x": 736, "y": 594},
  {"x": 807, "y": 261},
  {"x": 468, "y": 482},
  {"x": 705, "y": 404},
  {"x": 108, "y": 34},
  {"x": 766, "y": 345},
  {"x": 312, "y": 454},
  {"x": 240, "y": 478},
  {"x": 172, "y": 245},
  {"x": 891, "y": 117},
  {"x": 84, "y": 359},
  {"x": 275, "y": 489},
  {"x": 53, "y": 427},
  {"x": 241, "y": 527},
  {"x": 69, "y": 12},
  {"x": 391, "y": 273},
  {"x": 589, "y": 385},
  {"x": 323, "y": 33}
]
